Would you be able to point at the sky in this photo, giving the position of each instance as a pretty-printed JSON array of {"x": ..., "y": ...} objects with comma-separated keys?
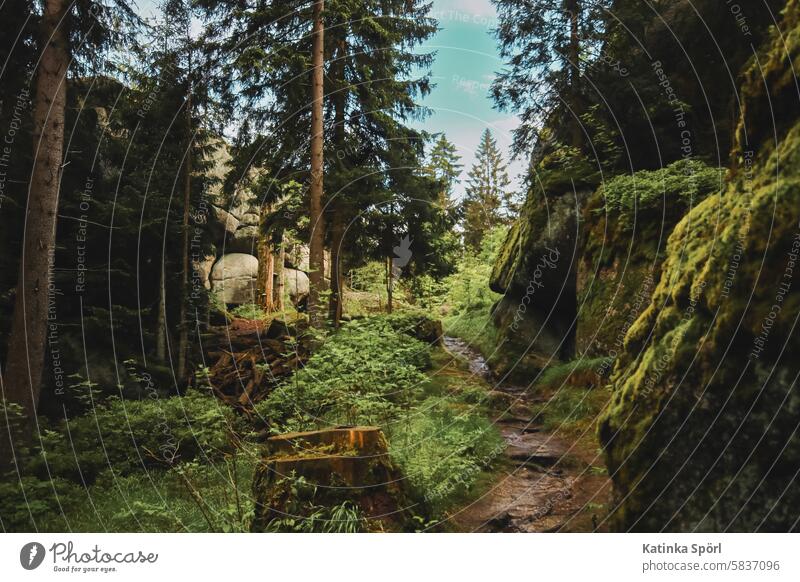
[{"x": 466, "y": 60}]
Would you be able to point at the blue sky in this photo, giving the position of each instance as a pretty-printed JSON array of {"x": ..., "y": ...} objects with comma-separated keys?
[{"x": 466, "y": 61}]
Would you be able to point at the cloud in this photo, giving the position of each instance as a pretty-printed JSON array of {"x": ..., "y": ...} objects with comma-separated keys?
[
  {"x": 477, "y": 12},
  {"x": 472, "y": 7}
]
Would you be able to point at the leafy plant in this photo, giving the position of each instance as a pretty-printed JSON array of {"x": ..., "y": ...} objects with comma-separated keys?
[
  {"x": 340, "y": 384},
  {"x": 679, "y": 186},
  {"x": 249, "y": 311}
]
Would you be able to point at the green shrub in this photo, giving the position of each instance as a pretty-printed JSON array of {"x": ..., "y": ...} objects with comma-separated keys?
[
  {"x": 363, "y": 374},
  {"x": 677, "y": 187},
  {"x": 28, "y": 503},
  {"x": 249, "y": 311},
  {"x": 191, "y": 496},
  {"x": 125, "y": 435},
  {"x": 442, "y": 449},
  {"x": 468, "y": 288}
]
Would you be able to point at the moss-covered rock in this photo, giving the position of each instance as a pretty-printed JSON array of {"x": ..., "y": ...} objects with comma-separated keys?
[
  {"x": 701, "y": 433},
  {"x": 624, "y": 228},
  {"x": 577, "y": 269},
  {"x": 535, "y": 273}
]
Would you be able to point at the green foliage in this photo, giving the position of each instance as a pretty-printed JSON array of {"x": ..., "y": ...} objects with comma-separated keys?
[
  {"x": 443, "y": 164},
  {"x": 443, "y": 448},
  {"x": 489, "y": 200},
  {"x": 207, "y": 494},
  {"x": 125, "y": 435},
  {"x": 190, "y": 497},
  {"x": 562, "y": 373},
  {"x": 568, "y": 406},
  {"x": 468, "y": 288},
  {"x": 428, "y": 293},
  {"x": 364, "y": 374},
  {"x": 675, "y": 188},
  {"x": 304, "y": 514},
  {"x": 249, "y": 311}
]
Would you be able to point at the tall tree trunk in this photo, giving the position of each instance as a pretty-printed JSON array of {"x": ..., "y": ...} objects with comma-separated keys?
[
  {"x": 266, "y": 275},
  {"x": 161, "y": 318},
  {"x": 573, "y": 9},
  {"x": 340, "y": 203},
  {"x": 183, "y": 338},
  {"x": 336, "y": 270},
  {"x": 317, "y": 241},
  {"x": 31, "y": 320},
  {"x": 280, "y": 275},
  {"x": 389, "y": 284}
]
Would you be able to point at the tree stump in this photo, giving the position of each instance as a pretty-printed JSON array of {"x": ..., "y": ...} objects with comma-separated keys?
[{"x": 339, "y": 464}]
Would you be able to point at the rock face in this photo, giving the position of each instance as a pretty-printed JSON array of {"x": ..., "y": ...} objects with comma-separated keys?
[
  {"x": 625, "y": 226},
  {"x": 244, "y": 240},
  {"x": 297, "y": 257},
  {"x": 343, "y": 464},
  {"x": 536, "y": 275},
  {"x": 578, "y": 268},
  {"x": 202, "y": 270},
  {"x": 233, "y": 278},
  {"x": 222, "y": 224},
  {"x": 702, "y": 433}
]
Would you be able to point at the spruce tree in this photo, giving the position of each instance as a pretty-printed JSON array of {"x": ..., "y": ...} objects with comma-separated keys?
[
  {"x": 489, "y": 200},
  {"x": 73, "y": 38},
  {"x": 443, "y": 165},
  {"x": 373, "y": 77},
  {"x": 542, "y": 44}
]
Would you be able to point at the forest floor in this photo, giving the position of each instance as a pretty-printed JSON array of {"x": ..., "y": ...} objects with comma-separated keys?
[{"x": 547, "y": 479}]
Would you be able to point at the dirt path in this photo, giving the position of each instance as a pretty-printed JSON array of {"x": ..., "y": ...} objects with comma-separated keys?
[{"x": 546, "y": 483}]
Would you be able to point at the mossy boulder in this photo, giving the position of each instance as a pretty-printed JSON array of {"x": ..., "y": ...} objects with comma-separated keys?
[
  {"x": 624, "y": 228},
  {"x": 534, "y": 272},
  {"x": 701, "y": 433}
]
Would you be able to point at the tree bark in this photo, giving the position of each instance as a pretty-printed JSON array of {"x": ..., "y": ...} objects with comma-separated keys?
[
  {"x": 389, "y": 283},
  {"x": 317, "y": 240},
  {"x": 573, "y": 9},
  {"x": 280, "y": 275},
  {"x": 183, "y": 337},
  {"x": 34, "y": 323},
  {"x": 266, "y": 276},
  {"x": 336, "y": 270},
  {"x": 340, "y": 204},
  {"x": 161, "y": 318}
]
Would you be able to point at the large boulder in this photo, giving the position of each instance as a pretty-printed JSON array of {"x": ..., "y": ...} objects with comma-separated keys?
[
  {"x": 202, "y": 270},
  {"x": 233, "y": 278},
  {"x": 297, "y": 257},
  {"x": 701, "y": 433},
  {"x": 535, "y": 272},
  {"x": 297, "y": 284},
  {"x": 222, "y": 224},
  {"x": 624, "y": 228},
  {"x": 244, "y": 240}
]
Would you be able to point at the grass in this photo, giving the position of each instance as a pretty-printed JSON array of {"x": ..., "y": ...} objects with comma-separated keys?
[{"x": 188, "y": 498}]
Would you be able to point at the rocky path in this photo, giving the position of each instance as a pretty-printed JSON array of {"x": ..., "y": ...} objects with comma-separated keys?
[{"x": 546, "y": 483}]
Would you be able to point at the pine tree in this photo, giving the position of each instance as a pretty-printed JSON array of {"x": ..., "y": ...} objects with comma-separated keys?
[
  {"x": 443, "y": 165},
  {"x": 72, "y": 38},
  {"x": 542, "y": 43},
  {"x": 372, "y": 80},
  {"x": 488, "y": 200}
]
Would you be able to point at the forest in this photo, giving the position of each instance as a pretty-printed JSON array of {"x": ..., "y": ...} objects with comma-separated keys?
[{"x": 251, "y": 281}]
